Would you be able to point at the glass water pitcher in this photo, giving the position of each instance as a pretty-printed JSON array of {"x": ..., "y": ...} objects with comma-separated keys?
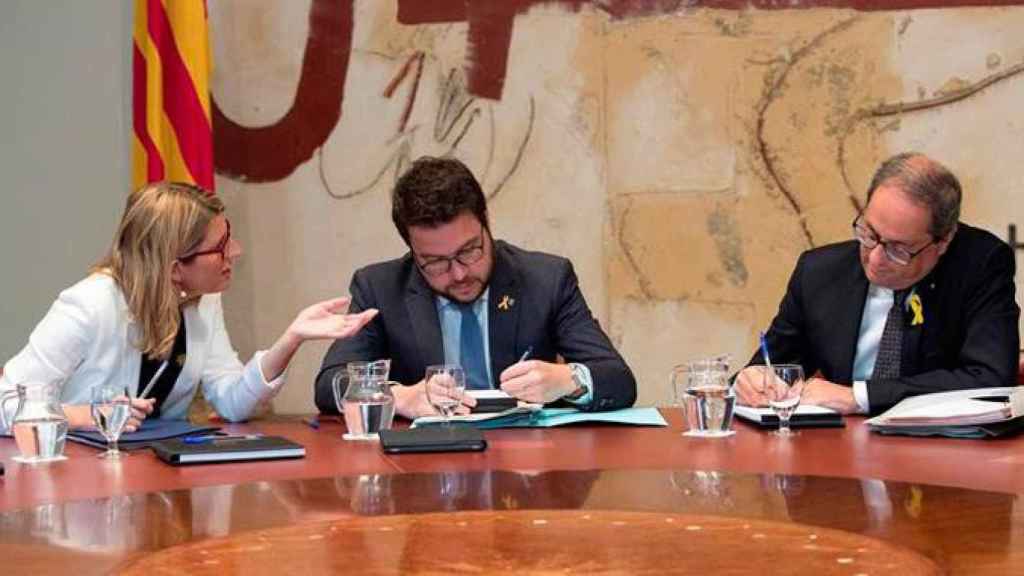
[{"x": 39, "y": 426}]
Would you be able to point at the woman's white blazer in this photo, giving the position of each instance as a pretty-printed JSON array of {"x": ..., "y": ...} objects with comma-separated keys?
[{"x": 87, "y": 338}]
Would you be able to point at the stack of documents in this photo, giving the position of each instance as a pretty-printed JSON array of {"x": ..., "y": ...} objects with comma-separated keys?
[{"x": 974, "y": 413}]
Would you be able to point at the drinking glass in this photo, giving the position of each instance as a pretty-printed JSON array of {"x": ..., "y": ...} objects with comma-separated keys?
[
  {"x": 783, "y": 387},
  {"x": 445, "y": 385},
  {"x": 111, "y": 408}
]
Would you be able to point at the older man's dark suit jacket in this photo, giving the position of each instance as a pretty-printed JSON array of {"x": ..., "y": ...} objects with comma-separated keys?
[
  {"x": 534, "y": 301},
  {"x": 968, "y": 339}
]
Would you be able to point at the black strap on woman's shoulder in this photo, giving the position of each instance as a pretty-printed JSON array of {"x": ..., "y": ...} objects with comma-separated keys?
[{"x": 163, "y": 386}]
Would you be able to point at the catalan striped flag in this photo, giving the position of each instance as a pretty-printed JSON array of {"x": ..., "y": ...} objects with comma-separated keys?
[{"x": 171, "y": 67}]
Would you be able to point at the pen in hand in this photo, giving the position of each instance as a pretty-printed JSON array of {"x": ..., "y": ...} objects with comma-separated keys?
[
  {"x": 764, "y": 352},
  {"x": 526, "y": 355},
  {"x": 145, "y": 391},
  {"x": 767, "y": 359}
]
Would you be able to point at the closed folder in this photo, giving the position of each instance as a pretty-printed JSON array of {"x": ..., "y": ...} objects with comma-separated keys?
[
  {"x": 177, "y": 451},
  {"x": 152, "y": 430},
  {"x": 805, "y": 416},
  {"x": 490, "y": 401},
  {"x": 450, "y": 438}
]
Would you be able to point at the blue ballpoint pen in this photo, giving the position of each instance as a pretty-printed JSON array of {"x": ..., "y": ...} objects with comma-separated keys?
[
  {"x": 206, "y": 439},
  {"x": 764, "y": 352}
]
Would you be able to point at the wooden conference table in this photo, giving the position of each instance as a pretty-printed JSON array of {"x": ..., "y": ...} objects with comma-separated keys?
[{"x": 595, "y": 499}]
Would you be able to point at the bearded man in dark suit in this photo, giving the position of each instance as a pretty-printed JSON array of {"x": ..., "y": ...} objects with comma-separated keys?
[
  {"x": 505, "y": 314},
  {"x": 918, "y": 302}
]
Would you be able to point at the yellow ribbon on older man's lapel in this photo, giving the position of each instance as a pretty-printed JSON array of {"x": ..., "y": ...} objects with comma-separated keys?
[{"x": 917, "y": 309}]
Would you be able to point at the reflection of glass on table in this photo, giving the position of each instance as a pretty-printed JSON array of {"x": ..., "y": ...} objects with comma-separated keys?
[
  {"x": 704, "y": 486},
  {"x": 371, "y": 494}
]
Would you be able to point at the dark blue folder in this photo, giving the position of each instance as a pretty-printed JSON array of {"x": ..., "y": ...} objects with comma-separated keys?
[{"x": 150, "y": 431}]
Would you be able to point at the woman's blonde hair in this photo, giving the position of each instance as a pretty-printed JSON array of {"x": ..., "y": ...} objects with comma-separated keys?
[{"x": 162, "y": 221}]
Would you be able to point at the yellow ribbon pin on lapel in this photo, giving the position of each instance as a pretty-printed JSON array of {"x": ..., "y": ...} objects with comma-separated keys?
[
  {"x": 917, "y": 309},
  {"x": 506, "y": 303}
]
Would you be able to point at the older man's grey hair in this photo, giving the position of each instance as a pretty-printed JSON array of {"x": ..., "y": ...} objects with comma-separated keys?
[{"x": 926, "y": 182}]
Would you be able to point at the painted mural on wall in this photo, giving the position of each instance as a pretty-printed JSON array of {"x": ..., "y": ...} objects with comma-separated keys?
[{"x": 682, "y": 154}]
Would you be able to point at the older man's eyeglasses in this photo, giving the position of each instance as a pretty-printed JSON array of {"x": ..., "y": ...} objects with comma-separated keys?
[
  {"x": 896, "y": 253},
  {"x": 221, "y": 248},
  {"x": 467, "y": 256}
]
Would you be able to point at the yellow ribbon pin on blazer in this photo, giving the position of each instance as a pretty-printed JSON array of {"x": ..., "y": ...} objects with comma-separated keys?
[
  {"x": 506, "y": 303},
  {"x": 917, "y": 309}
]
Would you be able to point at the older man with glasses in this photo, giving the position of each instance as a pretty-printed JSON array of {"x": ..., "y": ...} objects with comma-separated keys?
[
  {"x": 918, "y": 302},
  {"x": 506, "y": 315}
]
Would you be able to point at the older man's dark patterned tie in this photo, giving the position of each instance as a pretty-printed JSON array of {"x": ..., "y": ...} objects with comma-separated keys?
[
  {"x": 890, "y": 347},
  {"x": 471, "y": 350}
]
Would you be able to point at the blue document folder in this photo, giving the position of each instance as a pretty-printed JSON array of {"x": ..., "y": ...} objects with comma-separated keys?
[{"x": 150, "y": 431}]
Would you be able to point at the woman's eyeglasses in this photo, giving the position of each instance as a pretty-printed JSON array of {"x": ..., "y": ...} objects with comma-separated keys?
[{"x": 221, "y": 248}]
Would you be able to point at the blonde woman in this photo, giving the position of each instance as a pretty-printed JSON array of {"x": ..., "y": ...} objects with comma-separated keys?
[{"x": 149, "y": 315}]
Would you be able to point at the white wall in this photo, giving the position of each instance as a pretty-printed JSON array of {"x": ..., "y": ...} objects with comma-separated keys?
[{"x": 65, "y": 166}]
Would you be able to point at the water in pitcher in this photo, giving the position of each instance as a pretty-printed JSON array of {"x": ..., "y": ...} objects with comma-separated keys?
[
  {"x": 367, "y": 415},
  {"x": 40, "y": 439},
  {"x": 710, "y": 408}
]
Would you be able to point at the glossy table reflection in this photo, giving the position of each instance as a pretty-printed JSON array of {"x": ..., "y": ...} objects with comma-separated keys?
[
  {"x": 960, "y": 531},
  {"x": 950, "y": 502}
]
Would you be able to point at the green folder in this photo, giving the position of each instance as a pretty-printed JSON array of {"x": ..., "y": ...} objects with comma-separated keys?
[{"x": 535, "y": 417}]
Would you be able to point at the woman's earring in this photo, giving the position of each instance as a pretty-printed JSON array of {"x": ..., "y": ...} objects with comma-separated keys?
[{"x": 183, "y": 294}]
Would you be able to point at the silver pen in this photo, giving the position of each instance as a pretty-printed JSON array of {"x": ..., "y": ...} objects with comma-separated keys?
[
  {"x": 526, "y": 354},
  {"x": 152, "y": 381}
]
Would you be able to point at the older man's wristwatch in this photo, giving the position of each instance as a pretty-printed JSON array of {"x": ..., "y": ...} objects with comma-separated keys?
[{"x": 577, "y": 379}]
